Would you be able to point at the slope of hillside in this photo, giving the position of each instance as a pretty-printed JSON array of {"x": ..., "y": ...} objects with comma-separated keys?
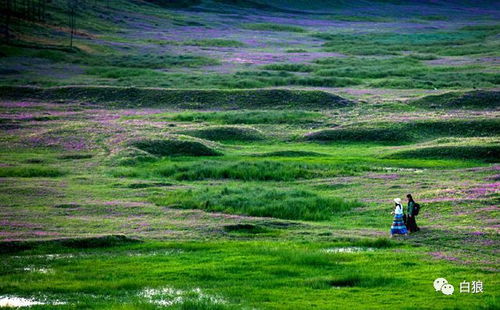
[{"x": 249, "y": 44}]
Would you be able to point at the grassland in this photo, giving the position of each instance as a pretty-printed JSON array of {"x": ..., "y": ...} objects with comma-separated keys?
[
  {"x": 246, "y": 154},
  {"x": 283, "y": 212}
]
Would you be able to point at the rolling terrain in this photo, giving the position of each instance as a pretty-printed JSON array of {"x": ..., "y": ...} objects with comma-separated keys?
[{"x": 233, "y": 154}]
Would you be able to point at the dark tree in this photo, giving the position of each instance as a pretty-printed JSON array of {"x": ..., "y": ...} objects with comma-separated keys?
[
  {"x": 72, "y": 9},
  {"x": 6, "y": 11}
]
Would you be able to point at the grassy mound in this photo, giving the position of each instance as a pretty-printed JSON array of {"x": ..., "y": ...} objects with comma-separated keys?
[
  {"x": 178, "y": 4},
  {"x": 453, "y": 128},
  {"x": 30, "y": 172},
  {"x": 75, "y": 156},
  {"x": 249, "y": 117},
  {"x": 154, "y": 97},
  {"x": 289, "y": 154},
  {"x": 410, "y": 131},
  {"x": 215, "y": 42},
  {"x": 78, "y": 243},
  {"x": 251, "y": 170},
  {"x": 271, "y": 6},
  {"x": 457, "y": 100},
  {"x": 359, "y": 135},
  {"x": 488, "y": 153},
  {"x": 273, "y": 27},
  {"x": 247, "y": 171},
  {"x": 258, "y": 201},
  {"x": 174, "y": 147},
  {"x": 246, "y": 229},
  {"x": 130, "y": 156},
  {"x": 227, "y": 133},
  {"x": 67, "y": 206},
  {"x": 147, "y": 185}
]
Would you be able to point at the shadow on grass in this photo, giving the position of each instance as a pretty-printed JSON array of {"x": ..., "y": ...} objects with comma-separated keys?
[{"x": 75, "y": 243}]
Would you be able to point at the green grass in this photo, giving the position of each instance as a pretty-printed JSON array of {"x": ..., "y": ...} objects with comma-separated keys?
[
  {"x": 143, "y": 215},
  {"x": 456, "y": 43},
  {"x": 461, "y": 100},
  {"x": 475, "y": 152},
  {"x": 392, "y": 72},
  {"x": 296, "y": 50},
  {"x": 290, "y": 67},
  {"x": 289, "y": 154},
  {"x": 75, "y": 156},
  {"x": 226, "y": 133},
  {"x": 272, "y": 212},
  {"x": 122, "y": 73},
  {"x": 109, "y": 57},
  {"x": 215, "y": 42},
  {"x": 281, "y": 165},
  {"x": 247, "y": 229},
  {"x": 367, "y": 67},
  {"x": 244, "y": 117},
  {"x": 359, "y": 135},
  {"x": 273, "y": 271},
  {"x": 361, "y": 18},
  {"x": 30, "y": 172},
  {"x": 255, "y": 169},
  {"x": 273, "y": 27},
  {"x": 71, "y": 243},
  {"x": 441, "y": 80},
  {"x": 130, "y": 156},
  {"x": 255, "y": 201},
  {"x": 175, "y": 4},
  {"x": 116, "y": 60},
  {"x": 408, "y": 131},
  {"x": 191, "y": 99},
  {"x": 247, "y": 171},
  {"x": 155, "y": 61},
  {"x": 174, "y": 147}
]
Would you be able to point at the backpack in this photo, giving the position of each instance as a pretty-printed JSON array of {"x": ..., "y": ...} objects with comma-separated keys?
[{"x": 416, "y": 208}]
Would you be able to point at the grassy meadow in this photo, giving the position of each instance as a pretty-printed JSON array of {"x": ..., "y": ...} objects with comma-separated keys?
[{"x": 220, "y": 154}]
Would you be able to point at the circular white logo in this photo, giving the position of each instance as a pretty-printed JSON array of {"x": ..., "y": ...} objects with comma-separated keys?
[
  {"x": 439, "y": 282},
  {"x": 447, "y": 289}
]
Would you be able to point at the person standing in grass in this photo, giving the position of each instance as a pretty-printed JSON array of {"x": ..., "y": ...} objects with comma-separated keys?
[
  {"x": 398, "y": 226},
  {"x": 411, "y": 214}
]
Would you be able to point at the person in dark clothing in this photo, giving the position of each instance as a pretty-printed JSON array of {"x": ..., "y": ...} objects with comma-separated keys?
[{"x": 411, "y": 223}]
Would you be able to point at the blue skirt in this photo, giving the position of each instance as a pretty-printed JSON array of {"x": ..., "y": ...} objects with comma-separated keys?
[{"x": 398, "y": 226}]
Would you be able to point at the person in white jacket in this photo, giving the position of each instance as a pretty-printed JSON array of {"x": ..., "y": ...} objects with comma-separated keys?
[{"x": 398, "y": 226}]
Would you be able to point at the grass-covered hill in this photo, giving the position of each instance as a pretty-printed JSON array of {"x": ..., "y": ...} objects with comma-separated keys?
[
  {"x": 255, "y": 44},
  {"x": 157, "y": 97}
]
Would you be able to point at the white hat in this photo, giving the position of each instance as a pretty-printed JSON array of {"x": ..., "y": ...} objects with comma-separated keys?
[{"x": 397, "y": 200}]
